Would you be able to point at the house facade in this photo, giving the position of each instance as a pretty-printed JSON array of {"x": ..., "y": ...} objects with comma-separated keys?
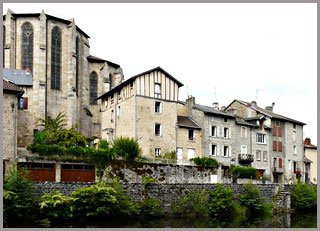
[
  {"x": 280, "y": 137},
  {"x": 311, "y": 157},
  {"x": 53, "y": 56}
]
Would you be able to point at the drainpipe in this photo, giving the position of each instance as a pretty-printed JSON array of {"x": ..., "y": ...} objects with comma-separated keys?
[{"x": 15, "y": 128}]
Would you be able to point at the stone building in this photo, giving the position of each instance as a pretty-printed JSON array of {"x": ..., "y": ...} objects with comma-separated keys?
[
  {"x": 284, "y": 136},
  {"x": 311, "y": 156},
  {"x": 11, "y": 94},
  {"x": 145, "y": 107},
  {"x": 65, "y": 77}
]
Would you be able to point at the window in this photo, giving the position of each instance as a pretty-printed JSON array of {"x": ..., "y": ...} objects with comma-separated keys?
[
  {"x": 106, "y": 103},
  {"x": 93, "y": 87},
  {"x": 294, "y": 126},
  {"x": 244, "y": 149},
  {"x": 225, "y": 119},
  {"x": 258, "y": 155},
  {"x": 277, "y": 146},
  {"x": 23, "y": 103},
  {"x": 157, "y": 129},
  {"x": 131, "y": 85},
  {"x": 243, "y": 132},
  {"x": 226, "y": 133},
  {"x": 294, "y": 135},
  {"x": 157, "y": 89},
  {"x": 225, "y": 151},
  {"x": 213, "y": 150},
  {"x": 157, "y": 151},
  {"x": 277, "y": 123},
  {"x": 191, "y": 134},
  {"x": 261, "y": 138},
  {"x": 3, "y": 47},
  {"x": 213, "y": 131},
  {"x": 27, "y": 46},
  {"x": 77, "y": 63},
  {"x": 295, "y": 150},
  {"x": 265, "y": 156},
  {"x": 55, "y": 58},
  {"x": 119, "y": 111},
  {"x": 190, "y": 153},
  {"x": 157, "y": 107},
  {"x": 112, "y": 116}
]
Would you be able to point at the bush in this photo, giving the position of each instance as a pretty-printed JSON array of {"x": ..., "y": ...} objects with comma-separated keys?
[
  {"x": 304, "y": 197},
  {"x": 253, "y": 201},
  {"x": 19, "y": 198},
  {"x": 243, "y": 172},
  {"x": 151, "y": 207},
  {"x": 94, "y": 201},
  {"x": 126, "y": 147},
  {"x": 195, "y": 203},
  {"x": 205, "y": 161},
  {"x": 221, "y": 202},
  {"x": 54, "y": 206}
]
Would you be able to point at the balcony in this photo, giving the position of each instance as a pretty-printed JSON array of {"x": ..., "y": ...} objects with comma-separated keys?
[
  {"x": 245, "y": 158},
  {"x": 277, "y": 170}
]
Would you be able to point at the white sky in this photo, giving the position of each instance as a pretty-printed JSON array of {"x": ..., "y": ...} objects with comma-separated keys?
[{"x": 220, "y": 52}]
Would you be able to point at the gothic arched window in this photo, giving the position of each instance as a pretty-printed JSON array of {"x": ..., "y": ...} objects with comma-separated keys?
[
  {"x": 27, "y": 46},
  {"x": 93, "y": 87},
  {"x": 56, "y": 58},
  {"x": 77, "y": 63}
]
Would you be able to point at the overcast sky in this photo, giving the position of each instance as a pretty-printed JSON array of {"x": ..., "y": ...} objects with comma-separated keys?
[{"x": 220, "y": 52}]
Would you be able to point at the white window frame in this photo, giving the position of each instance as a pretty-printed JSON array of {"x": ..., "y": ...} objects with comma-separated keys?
[
  {"x": 226, "y": 132},
  {"x": 225, "y": 154},
  {"x": 295, "y": 152},
  {"x": 245, "y": 132},
  {"x": 215, "y": 150},
  {"x": 213, "y": 128},
  {"x": 157, "y": 88},
  {"x": 265, "y": 156},
  {"x": 155, "y": 107},
  {"x": 263, "y": 136},
  {"x": 157, "y": 151},
  {"x": 193, "y": 134},
  {"x": 258, "y": 155},
  {"x": 244, "y": 149},
  {"x": 160, "y": 129}
]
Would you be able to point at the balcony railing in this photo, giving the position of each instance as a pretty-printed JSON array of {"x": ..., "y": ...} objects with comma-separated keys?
[
  {"x": 245, "y": 158},
  {"x": 277, "y": 170}
]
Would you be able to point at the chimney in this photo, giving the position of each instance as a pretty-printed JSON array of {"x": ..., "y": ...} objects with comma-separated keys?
[
  {"x": 270, "y": 108},
  {"x": 307, "y": 141},
  {"x": 215, "y": 105},
  {"x": 190, "y": 101},
  {"x": 222, "y": 108},
  {"x": 253, "y": 103}
]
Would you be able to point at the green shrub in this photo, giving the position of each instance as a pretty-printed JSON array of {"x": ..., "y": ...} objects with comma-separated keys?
[
  {"x": 19, "y": 198},
  {"x": 126, "y": 147},
  {"x": 243, "y": 172},
  {"x": 253, "y": 201},
  {"x": 151, "y": 207},
  {"x": 304, "y": 197},
  {"x": 94, "y": 201},
  {"x": 169, "y": 155},
  {"x": 221, "y": 202},
  {"x": 54, "y": 205},
  {"x": 195, "y": 203},
  {"x": 103, "y": 144},
  {"x": 205, "y": 161}
]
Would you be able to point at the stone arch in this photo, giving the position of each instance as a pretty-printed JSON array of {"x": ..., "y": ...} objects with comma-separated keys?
[
  {"x": 56, "y": 58},
  {"x": 93, "y": 87}
]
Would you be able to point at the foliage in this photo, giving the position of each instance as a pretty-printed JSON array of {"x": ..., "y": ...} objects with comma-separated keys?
[
  {"x": 205, "y": 161},
  {"x": 126, "y": 147},
  {"x": 70, "y": 137},
  {"x": 169, "y": 155},
  {"x": 53, "y": 124},
  {"x": 151, "y": 207},
  {"x": 221, "y": 201},
  {"x": 19, "y": 199},
  {"x": 56, "y": 205},
  {"x": 195, "y": 203},
  {"x": 304, "y": 197},
  {"x": 243, "y": 172},
  {"x": 94, "y": 201},
  {"x": 103, "y": 144},
  {"x": 147, "y": 180},
  {"x": 253, "y": 201}
]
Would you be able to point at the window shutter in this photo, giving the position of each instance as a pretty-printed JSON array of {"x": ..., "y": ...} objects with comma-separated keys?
[
  {"x": 218, "y": 131},
  {"x": 25, "y": 103},
  {"x": 280, "y": 146},
  {"x": 210, "y": 149},
  {"x": 230, "y": 151},
  {"x": 210, "y": 131},
  {"x": 218, "y": 150},
  {"x": 279, "y": 131},
  {"x": 274, "y": 133},
  {"x": 274, "y": 146},
  {"x": 280, "y": 162},
  {"x": 230, "y": 133}
]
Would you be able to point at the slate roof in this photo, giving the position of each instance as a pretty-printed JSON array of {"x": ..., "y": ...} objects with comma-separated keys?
[
  {"x": 306, "y": 160},
  {"x": 266, "y": 112},
  {"x": 11, "y": 88},
  {"x": 241, "y": 121},
  {"x": 117, "y": 88},
  {"x": 186, "y": 122},
  {"x": 18, "y": 77},
  {"x": 210, "y": 110},
  {"x": 99, "y": 60}
]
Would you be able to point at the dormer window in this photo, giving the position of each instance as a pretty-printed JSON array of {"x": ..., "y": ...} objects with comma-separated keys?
[{"x": 157, "y": 89}]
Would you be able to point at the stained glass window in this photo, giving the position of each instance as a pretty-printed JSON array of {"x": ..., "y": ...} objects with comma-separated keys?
[
  {"x": 56, "y": 58},
  {"x": 27, "y": 46},
  {"x": 77, "y": 64},
  {"x": 93, "y": 87}
]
